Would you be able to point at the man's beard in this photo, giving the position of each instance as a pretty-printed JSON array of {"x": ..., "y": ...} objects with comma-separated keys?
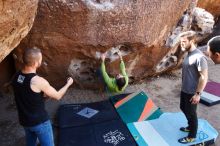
[
  {"x": 183, "y": 49},
  {"x": 186, "y": 48}
]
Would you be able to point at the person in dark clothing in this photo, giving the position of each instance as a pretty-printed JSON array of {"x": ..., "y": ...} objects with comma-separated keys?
[
  {"x": 214, "y": 49},
  {"x": 29, "y": 90},
  {"x": 194, "y": 79}
]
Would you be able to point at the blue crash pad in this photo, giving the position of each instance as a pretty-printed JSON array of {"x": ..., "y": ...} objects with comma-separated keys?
[{"x": 165, "y": 131}]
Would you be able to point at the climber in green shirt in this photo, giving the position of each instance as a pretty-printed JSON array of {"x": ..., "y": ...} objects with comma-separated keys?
[{"x": 120, "y": 82}]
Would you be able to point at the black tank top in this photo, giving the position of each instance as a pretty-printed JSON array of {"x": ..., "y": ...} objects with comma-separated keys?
[{"x": 30, "y": 105}]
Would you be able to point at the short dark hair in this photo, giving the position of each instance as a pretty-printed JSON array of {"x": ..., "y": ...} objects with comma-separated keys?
[
  {"x": 190, "y": 35},
  {"x": 214, "y": 44},
  {"x": 120, "y": 82},
  {"x": 30, "y": 56}
]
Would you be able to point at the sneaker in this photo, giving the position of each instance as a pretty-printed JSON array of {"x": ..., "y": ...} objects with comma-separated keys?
[
  {"x": 186, "y": 140},
  {"x": 184, "y": 129}
]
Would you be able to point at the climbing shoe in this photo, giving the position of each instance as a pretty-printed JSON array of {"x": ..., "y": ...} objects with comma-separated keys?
[
  {"x": 184, "y": 129},
  {"x": 186, "y": 140}
]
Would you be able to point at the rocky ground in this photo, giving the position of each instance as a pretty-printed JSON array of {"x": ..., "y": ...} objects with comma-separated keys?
[{"x": 164, "y": 90}]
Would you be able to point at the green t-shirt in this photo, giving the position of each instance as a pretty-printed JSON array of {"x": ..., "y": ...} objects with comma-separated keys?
[{"x": 111, "y": 82}]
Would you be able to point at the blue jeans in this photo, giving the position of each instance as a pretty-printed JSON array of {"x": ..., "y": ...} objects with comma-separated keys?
[{"x": 43, "y": 132}]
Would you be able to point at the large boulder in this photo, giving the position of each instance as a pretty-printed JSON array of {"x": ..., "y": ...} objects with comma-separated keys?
[
  {"x": 72, "y": 34},
  {"x": 16, "y": 19},
  {"x": 212, "y": 6},
  {"x": 216, "y": 32},
  {"x": 194, "y": 19}
]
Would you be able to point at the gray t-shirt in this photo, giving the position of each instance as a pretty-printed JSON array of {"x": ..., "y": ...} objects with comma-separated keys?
[{"x": 193, "y": 63}]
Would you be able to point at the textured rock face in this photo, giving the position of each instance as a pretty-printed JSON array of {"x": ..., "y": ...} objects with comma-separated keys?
[
  {"x": 72, "y": 34},
  {"x": 212, "y": 6},
  {"x": 195, "y": 19},
  {"x": 216, "y": 32},
  {"x": 16, "y": 19}
]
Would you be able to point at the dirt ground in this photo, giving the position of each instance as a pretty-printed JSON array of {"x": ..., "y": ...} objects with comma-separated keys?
[{"x": 164, "y": 90}]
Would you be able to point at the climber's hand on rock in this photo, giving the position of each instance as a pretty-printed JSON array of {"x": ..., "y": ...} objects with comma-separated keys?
[
  {"x": 103, "y": 56},
  {"x": 119, "y": 54}
]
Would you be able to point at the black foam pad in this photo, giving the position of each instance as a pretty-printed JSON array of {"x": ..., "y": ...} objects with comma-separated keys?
[
  {"x": 111, "y": 133},
  {"x": 70, "y": 115}
]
